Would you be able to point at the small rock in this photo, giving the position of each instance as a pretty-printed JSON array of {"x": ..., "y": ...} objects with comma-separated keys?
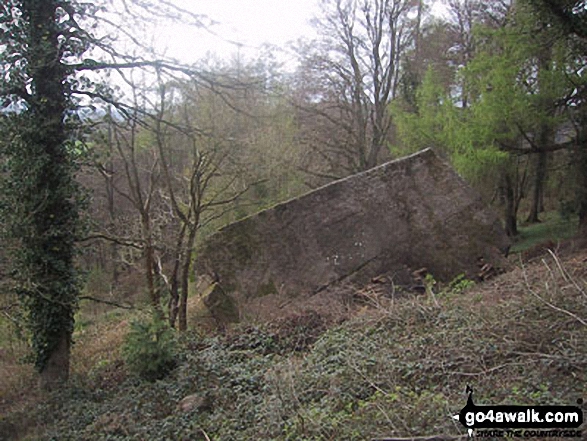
[{"x": 197, "y": 402}]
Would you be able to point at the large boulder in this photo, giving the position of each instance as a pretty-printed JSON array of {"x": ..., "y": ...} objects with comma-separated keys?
[{"x": 406, "y": 214}]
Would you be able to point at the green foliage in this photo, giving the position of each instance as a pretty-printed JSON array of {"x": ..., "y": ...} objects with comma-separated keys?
[
  {"x": 451, "y": 290},
  {"x": 429, "y": 282},
  {"x": 423, "y": 126},
  {"x": 150, "y": 348},
  {"x": 514, "y": 82},
  {"x": 509, "y": 91},
  {"x": 567, "y": 15},
  {"x": 439, "y": 122},
  {"x": 460, "y": 284}
]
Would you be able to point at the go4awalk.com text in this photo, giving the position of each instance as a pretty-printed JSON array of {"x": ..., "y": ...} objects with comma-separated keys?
[{"x": 514, "y": 421}]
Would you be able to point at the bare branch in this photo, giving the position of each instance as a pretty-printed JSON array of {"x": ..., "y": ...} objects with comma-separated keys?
[
  {"x": 117, "y": 240},
  {"x": 107, "y": 302}
]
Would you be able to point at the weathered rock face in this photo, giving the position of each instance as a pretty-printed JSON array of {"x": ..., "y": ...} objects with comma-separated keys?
[{"x": 410, "y": 213}]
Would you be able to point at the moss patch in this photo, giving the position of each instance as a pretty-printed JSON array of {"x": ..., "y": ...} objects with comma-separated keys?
[
  {"x": 222, "y": 307},
  {"x": 243, "y": 243},
  {"x": 266, "y": 289}
]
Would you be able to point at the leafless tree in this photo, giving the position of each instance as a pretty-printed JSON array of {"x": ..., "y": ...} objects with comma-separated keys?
[
  {"x": 199, "y": 186},
  {"x": 348, "y": 78}
]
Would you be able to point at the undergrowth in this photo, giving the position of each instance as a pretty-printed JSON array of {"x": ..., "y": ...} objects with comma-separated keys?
[{"x": 399, "y": 370}]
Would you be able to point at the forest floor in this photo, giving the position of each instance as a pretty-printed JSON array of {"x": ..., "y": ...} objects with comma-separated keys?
[{"x": 387, "y": 368}]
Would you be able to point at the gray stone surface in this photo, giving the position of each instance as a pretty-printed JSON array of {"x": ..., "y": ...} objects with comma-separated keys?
[{"x": 406, "y": 214}]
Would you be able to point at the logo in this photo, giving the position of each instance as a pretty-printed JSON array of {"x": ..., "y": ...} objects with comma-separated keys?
[{"x": 515, "y": 418}]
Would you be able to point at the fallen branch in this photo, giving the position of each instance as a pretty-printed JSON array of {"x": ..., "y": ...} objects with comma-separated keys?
[
  {"x": 557, "y": 357},
  {"x": 107, "y": 302},
  {"x": 549, "y": 304},
  {"x": 565, "y": 273},
  {"x": 205, "y": 434},
  {"x": 488, "y": 371}
]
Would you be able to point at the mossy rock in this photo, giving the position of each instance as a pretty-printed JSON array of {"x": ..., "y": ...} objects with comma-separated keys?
[{"x": 221, "y": 305}]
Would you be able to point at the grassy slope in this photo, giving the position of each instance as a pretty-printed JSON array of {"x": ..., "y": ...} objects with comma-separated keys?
[
  {"x": 398, "y": 369},
  {"x": 553, "y": 228}
]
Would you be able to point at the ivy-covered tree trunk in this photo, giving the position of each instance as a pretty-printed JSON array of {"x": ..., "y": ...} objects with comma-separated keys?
[{"x": 42, "y": 196}]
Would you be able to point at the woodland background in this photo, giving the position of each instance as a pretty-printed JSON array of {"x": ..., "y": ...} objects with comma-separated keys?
[{"x": 116, "y": 162}]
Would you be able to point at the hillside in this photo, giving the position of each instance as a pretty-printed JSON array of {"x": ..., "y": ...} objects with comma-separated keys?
[{"x": 390, "y": 368}]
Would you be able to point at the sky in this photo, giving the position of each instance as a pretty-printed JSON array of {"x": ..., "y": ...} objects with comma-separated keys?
[{"x": 243, "y": 27}]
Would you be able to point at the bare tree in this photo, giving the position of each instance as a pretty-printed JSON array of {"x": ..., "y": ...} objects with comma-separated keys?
[
  {"x": 141, "y": 170},
  {"x": 183, "y": 160},
  {"x": 199, "y": 189},
  {"x": 350, "y": 76}
]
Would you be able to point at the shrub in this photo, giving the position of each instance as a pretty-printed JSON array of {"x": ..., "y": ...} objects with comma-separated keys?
[{"x": 150, "y": 348}]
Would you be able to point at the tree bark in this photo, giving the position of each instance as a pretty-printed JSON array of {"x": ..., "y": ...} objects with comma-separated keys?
[
  {"x": 185, "y": 274},
  {"x": 173, "y": 304},
  {"x": 183, "y": 299},
  {"x": 582, "y": 193},
  {"x": 510, "y": 212},
  {"x": 109, "y": 178},
  {"x": 56, "y": 371},
  {"x": 545, "y": 135},
  {"x": 538, "y": 188},
  {"x": 48, "y": 191},
  {"x": 154, "y": 293}
]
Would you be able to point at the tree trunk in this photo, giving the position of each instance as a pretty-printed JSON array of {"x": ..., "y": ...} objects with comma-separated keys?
[
  {"x": 173, "y": 305},
  {"x": 48, "y": 192},
  {"x": 154, "y": 295},
  {"x": 510, "y": 212},
  {"x": 582, "y": 194},
  {"x": 183, "y": 300},
  {"x": 56, "y": 370},
  {"x": 185, "y": 277},
  {"x": 545, "y": 135},
  {"x": 538, "y": 188},
  {"x": 111, "y": 205}
]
